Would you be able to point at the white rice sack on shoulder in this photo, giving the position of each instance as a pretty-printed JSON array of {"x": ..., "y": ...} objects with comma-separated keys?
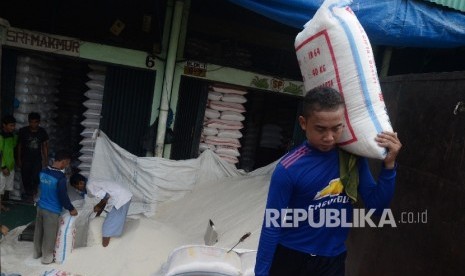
[
  {"x": 232, "y": 116},
  {"x": 212, "y": 114},
  {"x": 333, "y": 50},
  {"x": 234, "y": 98}
]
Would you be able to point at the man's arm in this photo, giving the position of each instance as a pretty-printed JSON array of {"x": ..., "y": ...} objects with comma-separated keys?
[
  {"x": 379, "y": 195},
  {"x": 376, "y": 195},
  {"x": 44, "y": 149},
  {"x": 3, "y": 168},
  {"x": 101, "y": 205},
  {"x": 64, "y": 198},
  {"x": 19, "y": 146},
  {"x": 278, "y": 199}
]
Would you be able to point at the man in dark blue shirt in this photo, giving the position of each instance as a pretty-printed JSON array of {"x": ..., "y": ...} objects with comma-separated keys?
[{"x": 307, "y": 184}]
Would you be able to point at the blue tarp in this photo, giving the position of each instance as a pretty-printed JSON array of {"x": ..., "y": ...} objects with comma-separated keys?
[{"x": 408, "y": 23}]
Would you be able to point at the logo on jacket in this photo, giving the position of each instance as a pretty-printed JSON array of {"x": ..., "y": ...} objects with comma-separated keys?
[{"x": 334, "y": 188}]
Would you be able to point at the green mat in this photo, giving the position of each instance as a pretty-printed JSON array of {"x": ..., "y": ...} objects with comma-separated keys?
[{"x": 20, "y": 213}]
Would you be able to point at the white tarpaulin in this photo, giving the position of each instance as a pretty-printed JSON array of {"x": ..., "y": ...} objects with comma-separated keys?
[{"x": 153, "y": 179}]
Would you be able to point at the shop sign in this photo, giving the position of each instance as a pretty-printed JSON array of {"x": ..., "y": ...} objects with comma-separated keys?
[
  {"x": 195, "y": 68},
  {"x": 42, "y": 42},
  {"x": 277, "y": 85}
]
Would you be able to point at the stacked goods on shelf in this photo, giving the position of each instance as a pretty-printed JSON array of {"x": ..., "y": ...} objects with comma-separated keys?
[
  {"x": 35, "y": 90},
  {"x": 70, "y": 108},
  {"x": 36, "y": 84},
  {"x": 252, "y": 131},
  {"x": 223, "y": 122},
  {"x": 92, "y": 115}
]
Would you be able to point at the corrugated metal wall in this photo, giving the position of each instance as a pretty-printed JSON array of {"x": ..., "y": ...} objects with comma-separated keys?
[
  {"x": 126, "y": 108},
  {"x": 192, "y": 99}
]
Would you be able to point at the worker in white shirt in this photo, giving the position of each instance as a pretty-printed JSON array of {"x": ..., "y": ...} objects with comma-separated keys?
[{"x": 115, "y": 199}]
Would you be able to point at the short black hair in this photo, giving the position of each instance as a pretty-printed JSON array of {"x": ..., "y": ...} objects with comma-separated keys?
[
  {"x": 8, "y": 119},
  {"x": 33, "y": 116},
  {"x": 321, "y": 98},
  {"x": 62, "y": 155},
  {"x": 75, "y": 178}
]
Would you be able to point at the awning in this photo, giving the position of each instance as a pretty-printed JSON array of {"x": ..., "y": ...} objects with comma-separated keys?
[{"x": 409, "y": 23}]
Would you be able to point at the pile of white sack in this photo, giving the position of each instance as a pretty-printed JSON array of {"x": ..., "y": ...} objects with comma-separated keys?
[
  {"x": 92, "y": 116},
  {"x": 223, "y": 122},
  {"x": 35, "y": 90}
]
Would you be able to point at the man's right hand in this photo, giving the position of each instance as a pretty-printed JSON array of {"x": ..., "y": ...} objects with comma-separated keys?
[{"x": 73, "y": 212}]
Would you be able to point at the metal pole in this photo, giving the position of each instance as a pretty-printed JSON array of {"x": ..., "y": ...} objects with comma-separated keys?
[{"x": 168, "y": 80}]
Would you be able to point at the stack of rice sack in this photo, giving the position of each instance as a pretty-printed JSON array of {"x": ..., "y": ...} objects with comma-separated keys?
[
  {"x": 91, "y": 122},
  {"x": 36, "y": 87},
  {"x": 36, "y": 84},
  {"x": 223, "y": 122}
]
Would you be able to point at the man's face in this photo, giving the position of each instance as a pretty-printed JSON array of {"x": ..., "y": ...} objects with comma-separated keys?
[
  {"x": 81, "y": 186},
  {"x": 34, "y": 124},
  {"x": 9, "y": 128},
  {"x": 63, "y": 164},
  {"x": 323, "y": 129}
]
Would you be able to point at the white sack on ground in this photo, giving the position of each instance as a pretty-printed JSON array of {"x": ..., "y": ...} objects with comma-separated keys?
[{"x": 333, "y": 50}]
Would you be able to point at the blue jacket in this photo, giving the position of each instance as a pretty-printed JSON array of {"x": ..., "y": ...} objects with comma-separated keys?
[
  {"x": 53, "y": 191},
  {"x": 308, "y": 179}
]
